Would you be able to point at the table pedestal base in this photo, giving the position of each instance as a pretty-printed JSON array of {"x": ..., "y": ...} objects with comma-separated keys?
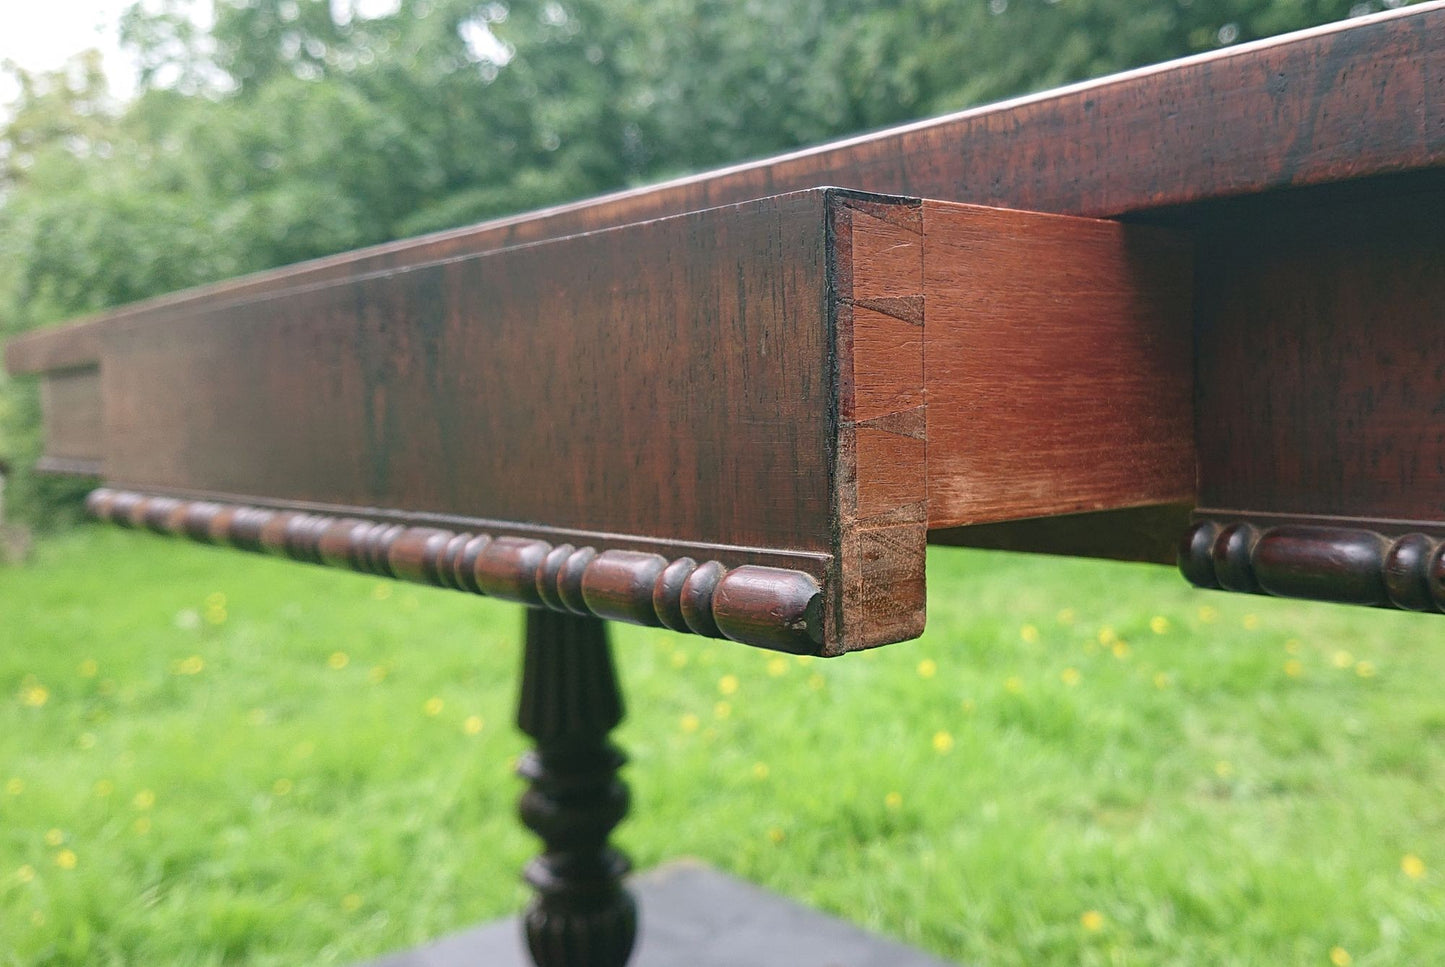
[{"x": 581, "y": 916}]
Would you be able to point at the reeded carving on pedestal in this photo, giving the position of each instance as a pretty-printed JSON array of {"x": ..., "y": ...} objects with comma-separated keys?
[{"x": 581, "y": 915}]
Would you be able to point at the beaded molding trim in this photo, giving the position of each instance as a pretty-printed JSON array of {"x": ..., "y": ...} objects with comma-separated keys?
[
  {"x": 769, "y": 607},
  {"x": 1348, "y": 565}
]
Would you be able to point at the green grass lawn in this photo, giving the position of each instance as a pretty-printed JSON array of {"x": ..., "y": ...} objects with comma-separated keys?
[{"x": 212, "y": 758}]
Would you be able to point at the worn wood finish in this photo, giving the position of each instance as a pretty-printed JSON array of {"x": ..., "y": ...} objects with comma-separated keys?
[
  {"x": 1344, "y": 101},
  {"x": 1059, "y": 365},
  {"x": 764, "y": 606},
  {"x": 581, "y": 916}
]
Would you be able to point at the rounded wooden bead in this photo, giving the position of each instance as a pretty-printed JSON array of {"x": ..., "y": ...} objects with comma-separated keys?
[
  {"x": 196, "y": 520},
  {"x": 98, "y": 503},
  {"x": 1436, "y": 577},
  {"x": 1196, "y": 554},
  {"x": 412, "y": 555},
  {"x": 337, "y": 543},
  {"x": 618, "y": 585},
  {"x": 667, "y": 593},
  {"x": 447, "y": 558},
  {"x": 1232, "y": 549},
  {"x": 696, "y": 599},
  {"x": 123, "y": 508},
  {"x": 1407, "y": 572},
  {"x": 465, "y": 565},
  {"x": 507, "y": 569},
  {"x": 770, "y": 607},
  {"x": 548, "y": 573},
  {"x": 569, "y": 579}
]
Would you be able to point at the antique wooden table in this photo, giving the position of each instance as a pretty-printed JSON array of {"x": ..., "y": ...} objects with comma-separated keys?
[{"x": 1205, "y": 301}]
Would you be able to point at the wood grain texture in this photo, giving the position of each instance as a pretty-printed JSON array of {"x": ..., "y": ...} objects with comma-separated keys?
[
  {"x": 746, "y": 379},
  {"x": 1346, "y": 101},
  {"x": 1321, "y": 355},
  {"x": 1059, "y": 365},
  {"x": 769, "y": 607},
  {"x": 881, "y": 470}
]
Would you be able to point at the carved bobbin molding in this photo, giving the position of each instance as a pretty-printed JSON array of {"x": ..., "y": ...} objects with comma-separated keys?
[
  {"x": 764, "y": 606},
  {"x": 1347, "y": 565}
]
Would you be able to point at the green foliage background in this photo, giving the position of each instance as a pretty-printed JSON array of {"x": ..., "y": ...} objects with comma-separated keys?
[{"x": 291, "y": 130}]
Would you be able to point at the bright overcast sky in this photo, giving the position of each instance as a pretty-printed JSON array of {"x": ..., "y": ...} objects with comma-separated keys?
[{"x": 40, "y": 36}]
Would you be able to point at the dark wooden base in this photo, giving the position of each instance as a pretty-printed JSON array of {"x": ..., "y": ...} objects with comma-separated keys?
[
  {"x": 581, "y": 916},
  {"x": 694, "y": 916}
]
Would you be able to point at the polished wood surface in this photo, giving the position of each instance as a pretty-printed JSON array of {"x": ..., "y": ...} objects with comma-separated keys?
[
  {"x": 815, "y": 381},
  {"x": 1341, "y": 102},
  {"x": 1060, "y": 365}
]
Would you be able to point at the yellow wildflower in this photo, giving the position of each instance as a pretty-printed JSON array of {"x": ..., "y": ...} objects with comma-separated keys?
[
  {"x": 144, "y": 799},
  {"x": 434, "y": 706},
  {"x": 778, "y": 667},
  {"x": 1412, "y": 866},
  {"x": 25, "y": 874},
  {"x": 1208, "y": 615},
  {"x": 1159, "y": 624},
  {"x": 1013, "y": 685},
  {"x": 193, "y": 665},
  {"x": 942, "y": 742},
  {"x": 88, "y": 668},
  {"x": 1294, "y": 668},
  {"x": 142, "y": 825},
  {"x": 1070, "y": 676},
  {"x": 1120, "y": 649},
  {"x": 679, "y": 659},
  {"x": 1029, "y": 634},
  {"x": 775, "y": 835},
  {"x": 689, "y": 722},
  {"x": 65, "y": 859},
  {"x": 54, "y": 837},
  {"x": 1342, "y": 659},
  {"x": 893, "y": 800},
  {"x": 35, "y": 695},
  {"x": 1161, "y": 680},
  {"x": 722, "y": 710},
  {"x": 727, "y": 685},
  {"x": 377, "y": 675},
  {"x": 1223, "y": 769},
  {"x": 15, "y": 786},
  {"x": 282, "y": 787},
  {"x": 1365, "y": 669},
  {"x": 760, "y": 770},
  {"x": 1067, "y": 616},
  {"x": 351, "y": 902},
  {"x": 816, "y": 682},
  {"x": 472, "y": 725},
  {"x": 1107, "y": 635},
  {"x": 104, "y": 787},
  {"x": 927, "y": 668},
  {"x": 1340, "y": 957},
  {"x": 338, "y": 660},
  {"x": 1250, "y": 622},
  {"x": 1092, "y": 920}
]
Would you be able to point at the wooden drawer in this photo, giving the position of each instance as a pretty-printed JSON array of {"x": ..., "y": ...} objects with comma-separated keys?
[{"x": 803, "y": 383}]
